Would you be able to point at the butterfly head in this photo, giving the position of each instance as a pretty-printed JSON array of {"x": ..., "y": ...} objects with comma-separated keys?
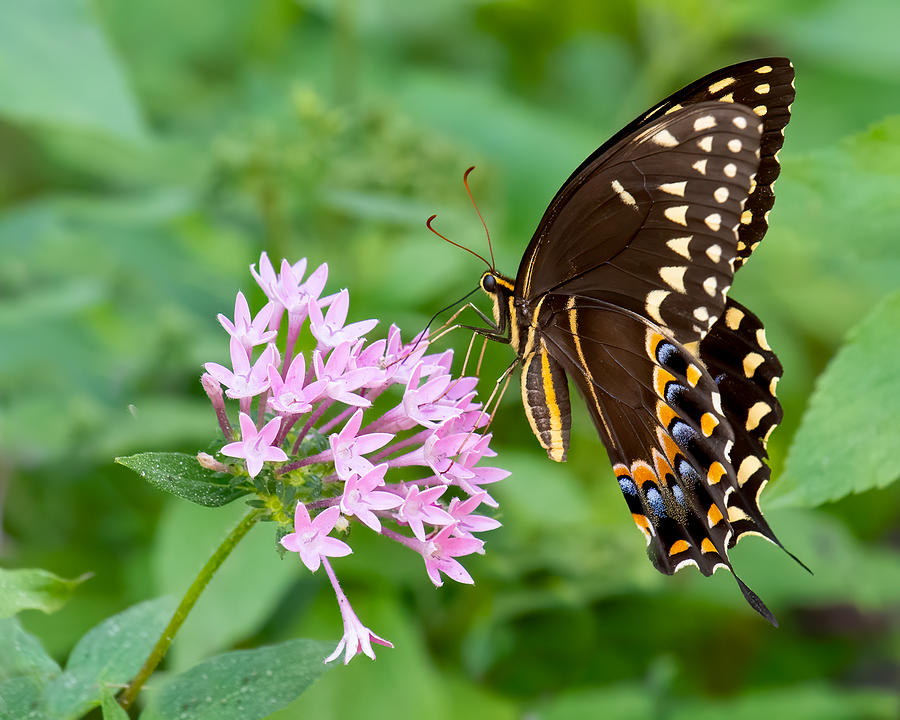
[{"x": 494, "y": 284}]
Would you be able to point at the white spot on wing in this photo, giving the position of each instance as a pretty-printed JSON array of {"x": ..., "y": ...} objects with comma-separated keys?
[
  {"x": 680, "y": 246},
  {"x": 704, "y": 123},
  {"x": 700, "y": 166},
  {"x": 654, "y": 300},
  {"x": 730, "y": 170},
  {"x": 713, "y": 221},
  {"x": 677, "y": 214},
  {"x": 675, "y": 188},
  {"x": 739, "y": 122},
  {"x": 625, "y": 196},
  {"x": 705, "y": 144},
  {"x": 673, "y": 276},
  {"x": 714, "y": 253},
  {"x": 665, "y": 138},
  {"x": 710, "y": 285},
  {"x": 735, "y": 145},
  {"x": 721, "y": 194}
]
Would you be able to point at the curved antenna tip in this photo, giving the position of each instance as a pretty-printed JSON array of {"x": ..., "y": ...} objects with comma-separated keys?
[{"x": 466, "y": 173}]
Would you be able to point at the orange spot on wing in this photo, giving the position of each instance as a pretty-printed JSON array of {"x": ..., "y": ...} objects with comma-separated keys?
[
  {"x": 678, "y": 546},
  {"x": 707, "y": 546}
]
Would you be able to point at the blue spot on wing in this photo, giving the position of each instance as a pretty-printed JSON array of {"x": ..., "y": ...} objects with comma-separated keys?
[{"x": 655, "y": 501}]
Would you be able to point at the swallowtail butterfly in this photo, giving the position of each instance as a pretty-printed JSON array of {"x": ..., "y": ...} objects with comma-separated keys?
[{"x": 624, "y": 289}]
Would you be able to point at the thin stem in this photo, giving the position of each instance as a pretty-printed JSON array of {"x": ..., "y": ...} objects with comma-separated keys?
[{"x": 187, "y": 603}]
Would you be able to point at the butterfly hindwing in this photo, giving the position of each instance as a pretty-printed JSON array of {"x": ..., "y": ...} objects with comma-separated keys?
[{"x": 659, "y": 413}]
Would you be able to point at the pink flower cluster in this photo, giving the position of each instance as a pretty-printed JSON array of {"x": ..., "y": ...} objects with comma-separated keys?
[{"x": 426, "y": 421}]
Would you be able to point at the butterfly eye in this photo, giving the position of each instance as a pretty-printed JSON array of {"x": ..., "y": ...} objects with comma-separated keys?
[{"x": 488, "y": 283}]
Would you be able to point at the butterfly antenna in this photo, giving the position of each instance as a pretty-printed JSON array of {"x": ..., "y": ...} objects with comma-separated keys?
[
  {"x": 463, "y": 247},
  {"x": 480, "y": 217}
]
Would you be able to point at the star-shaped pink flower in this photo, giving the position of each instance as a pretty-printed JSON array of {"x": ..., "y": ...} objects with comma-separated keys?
[
  {"x": 360, "y": 497},
  {"x": 329, "y": 329},
  {"x": 250, "y": 332},
  {"x": 290, "y": 396},
  {"x": 424, "y": 403},
  {"x": 466, "y": 523},
  {"x": 348, "y": 447},
  {"x": 440, "y": 552},
  {"x": 244, "y": 381},
  {"x": 357, "y": 637},
  {"x": 256, "y": 448},
  {"x": 310, "y": 537},
  {"x": 419, "y": 507},
  {"x": 339, "y": 383}
]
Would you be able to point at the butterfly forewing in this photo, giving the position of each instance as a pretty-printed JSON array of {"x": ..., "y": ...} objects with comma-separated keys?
[{"x": 654, "y": 228}]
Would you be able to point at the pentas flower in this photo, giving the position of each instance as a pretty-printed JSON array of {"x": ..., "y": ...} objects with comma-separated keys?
[{"x": 324, "y": 433}]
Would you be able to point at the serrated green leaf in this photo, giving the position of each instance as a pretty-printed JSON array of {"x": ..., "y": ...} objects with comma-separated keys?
[
  {"x": 110, "y": 653},
  {"x": 848, "y": 439},
  {"x": 243, "y": 685},
  {"x": 48, "y": 49},
  {"x": 181, "y": 475},
  {"x": 34, "y": 589}
]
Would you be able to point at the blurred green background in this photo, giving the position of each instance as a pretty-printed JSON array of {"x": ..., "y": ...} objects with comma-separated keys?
[{"x": 150, "y": 151}]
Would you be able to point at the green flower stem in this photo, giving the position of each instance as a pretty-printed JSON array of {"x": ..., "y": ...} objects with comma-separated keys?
[{"x": 187, "y": 603}]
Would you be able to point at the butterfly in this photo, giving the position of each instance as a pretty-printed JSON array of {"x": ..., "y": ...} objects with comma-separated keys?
[{"x": 624, "y": 290}]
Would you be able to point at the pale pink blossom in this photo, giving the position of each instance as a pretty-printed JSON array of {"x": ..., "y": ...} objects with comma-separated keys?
[
  {"x": 441, "y": 551},
  {"x": 348, "y": 447},
  {"x": 330, "y": 330},
  {"x": 360, "y": 497},
  {"x": 256, "y": 448},
  {"x": 310, "y": 538}
]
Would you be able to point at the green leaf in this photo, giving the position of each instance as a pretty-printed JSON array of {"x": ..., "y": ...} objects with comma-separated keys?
[
  {"x": 34, "y": 589},
  {"x": 242, "y": 594},
  {"x": 111, "y": 709},
  {"x": 25, "y": 670},
  {"x": 847, "y": 440},
  {"x": 243, "y": 685},
  {"x": 57, "y": 68},
  {"x": 181, "y": 475},
  {"x": 110, "y": 653}
]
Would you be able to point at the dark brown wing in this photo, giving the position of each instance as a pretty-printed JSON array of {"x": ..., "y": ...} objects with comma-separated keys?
[
  {"x": 765, "y": 85},
  {"x": 660, "y": 415},
  {"x": 653, "y": 228}
]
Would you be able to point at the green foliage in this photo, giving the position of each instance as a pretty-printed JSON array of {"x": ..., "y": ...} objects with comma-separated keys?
[
  {"x": 152, "y": 150},
  {"x": 34, "y": 589},
  {"x": 47, "y": 50},
  {"x": 182, "y": 476},
  {"x": 240, "y": 685},
  {"x": 847, "y": 439}
]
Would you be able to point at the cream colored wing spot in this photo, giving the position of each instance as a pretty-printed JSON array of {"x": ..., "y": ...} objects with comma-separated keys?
[
  {"x": 746, "y": 217},
  {"x": 677, "y": 214},
  {"x": 705, "y": 143},
  {"x": 753, "y": 185},
  {"x": 727, "y": 98},
  {"x": 710, "y": 285},
  {"x": 751, "y": 362},
  {"x": 654, "y": 300},
  {"x": 757, "y": 413},
  {"x": 700, "y": 166},
  {"x": 735, "y": 145},
  {"x": 739, "y": 122},
  {"x": 713, "y": 221},
  {"x": 720, "y": 85},
  {"x": 625, "y": 196},
  {"x": 760, "y": 110},
  {"x": 674, "y": 108},
  {"x": 674, "y": 277},
  {"x": 675, "y": 188},
  {"x": 702, "y": 314},
  {"x": 679, "y": 246},
  {"x": 717, "y": 404},
  {"x": 714, "y": 253},
  {"x": 726, "y": 288},
  {"x": 773, "y": 384},
  {"x": 665, "y": 139},
  {"x": 733, "y": 318},
  {"x": 761, "y": 339},
  {"x": 721, "y": 194},
  {"x": 763, "y": 69},
  {"x": 762, "y": 89},
  {"x": 750, "y": 465},
  {"x": 730, "y": 170},
  {"x": 704, "y": 123}
]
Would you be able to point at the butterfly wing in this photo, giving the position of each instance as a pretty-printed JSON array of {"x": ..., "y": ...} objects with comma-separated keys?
[
  {"x": 766, "y": 86},
  {"x": 670, "y": 439},
  {"x": 653, "y": 229}
]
